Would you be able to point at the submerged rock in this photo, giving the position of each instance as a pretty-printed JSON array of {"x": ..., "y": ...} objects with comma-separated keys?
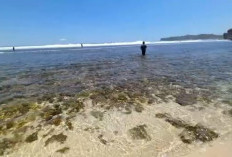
[
  {"x": 31, "y": 138},
  {"x": 174, "y": 122},
  {"x": 63, "y": 150},
  {"x": 102, "y": 140},
  {"x": 185, "y": 99},
  {"x": 139, "y": 133},
  {"x": 56, "y": 121},
  {"x": 61, "y": 138},
  {"x": 190, "y": 133},
  {"x": 6, "y": 144},
  {"x": 97, "y": 114},
  {"x": 229, "y": 112},
  {"x": 48, "y": 112},
  {"x": 139, "y": 108},
  {"x": 197, "y": 133},
  {"x": 73, "y": 105},
  {"x": 15, "y": 110},
  {"x": 69, "y": 124}
]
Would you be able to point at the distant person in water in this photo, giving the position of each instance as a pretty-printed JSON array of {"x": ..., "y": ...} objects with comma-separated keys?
[
  {"x": 143, "y": 48},
  {"x": 13, "y": 48},
  {"x": 81, "y": 45}
]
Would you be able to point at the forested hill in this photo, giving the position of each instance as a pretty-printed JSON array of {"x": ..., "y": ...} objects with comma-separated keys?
[{"x": 193, "y": 37}]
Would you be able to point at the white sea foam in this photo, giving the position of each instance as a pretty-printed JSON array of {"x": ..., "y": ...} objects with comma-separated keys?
[{"x": 106, "y": 44}]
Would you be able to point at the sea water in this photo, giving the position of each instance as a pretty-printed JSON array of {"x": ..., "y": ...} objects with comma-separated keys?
[
  {"x": 112, "y": 101},
  {"x": 26, "y": 73}
]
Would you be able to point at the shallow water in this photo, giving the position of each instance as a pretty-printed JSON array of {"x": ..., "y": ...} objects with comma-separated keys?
[
  {"x": 29, "y": 73},
  {"x": 111, "y": 101}
]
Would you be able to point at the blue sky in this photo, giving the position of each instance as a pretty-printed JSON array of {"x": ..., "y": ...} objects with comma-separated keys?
[{"x": 39, "y": 22}]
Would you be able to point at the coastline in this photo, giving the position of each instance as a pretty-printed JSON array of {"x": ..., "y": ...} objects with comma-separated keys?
[{"x": 105, "y": 44}]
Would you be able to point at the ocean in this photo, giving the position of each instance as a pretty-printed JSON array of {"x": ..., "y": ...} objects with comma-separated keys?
[
  {"x": 37, "y": 71},
  {"x": 112, "y": 101}
]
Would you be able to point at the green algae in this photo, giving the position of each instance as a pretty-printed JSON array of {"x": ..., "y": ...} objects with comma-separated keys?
[
  {"x": 63, "y": 150},
  {"x": 61, "y": 138},
  {"x": 119, "y": 98},
  {"x": 14, "y": 110},
  {"x": 31, "y": 138},
  {"x": 25, "y": 120},
  {"x": 84, "y": 94},
  {"x": 139, "y": 133}
]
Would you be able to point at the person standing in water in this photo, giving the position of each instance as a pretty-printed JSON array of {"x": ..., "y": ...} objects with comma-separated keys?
[
  {"x": 143, "y": 48},
  {"x": 13, "y": 48}
]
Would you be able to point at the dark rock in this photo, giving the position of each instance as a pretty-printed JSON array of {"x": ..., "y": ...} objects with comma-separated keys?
[
  {"x": 185, "y": 99},
  {"x": 228, "y": 35},
  {"x": 139, "y": 133},
  {"x": 56, "y": 121},
  {"x": 61, "y": 138},
  {"x": 197, "y": 133},
  {"x": 49, "y": 113},
  {"x": 69, "y": 125},
  {"x": 73, "y": 105},
  {"x": 10, "y": 124},
  {"x": 190, "y": 133},
  {"x": 174, "y": 122},
  {"x": 31, "y": 138},
  {"x": 229, "y": 112},
  {"x": 63, "y": 150},
  {"x": 187, "y": 136},
  {"x": 103, "y": 141},
  {"x": 139, "y": 108},
  {"x": 97, "y": 114},
  {"x": 5, "y": 144}
]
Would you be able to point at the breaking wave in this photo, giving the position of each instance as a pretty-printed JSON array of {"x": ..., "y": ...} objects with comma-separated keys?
[{"x": 104, "y": 44}]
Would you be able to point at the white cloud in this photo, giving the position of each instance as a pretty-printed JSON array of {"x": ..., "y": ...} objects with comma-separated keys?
[{"x": 63, "y": 39}]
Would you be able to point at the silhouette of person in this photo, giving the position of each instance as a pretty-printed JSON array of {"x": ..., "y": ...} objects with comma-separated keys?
[
  {"x": 13, "y": 48},
  {"x": 81, "y": 45},
  {"x": 143, "y": 48}
]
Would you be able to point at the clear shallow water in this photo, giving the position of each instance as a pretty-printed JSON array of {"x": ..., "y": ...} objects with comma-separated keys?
[{"x": 31, "y": 73}]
